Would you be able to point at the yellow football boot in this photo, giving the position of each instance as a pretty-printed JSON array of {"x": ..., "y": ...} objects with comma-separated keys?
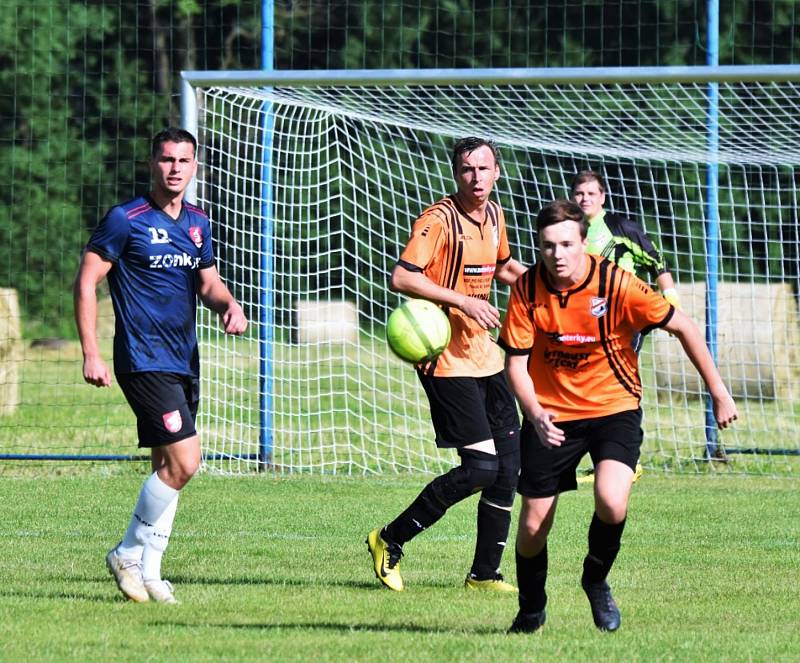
[
  {"x": 386, "y": 560},
  {"x": 496, "y": 584}
]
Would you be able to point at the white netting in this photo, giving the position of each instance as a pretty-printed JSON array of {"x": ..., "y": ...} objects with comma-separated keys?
[{"x": 351, "y": 167}]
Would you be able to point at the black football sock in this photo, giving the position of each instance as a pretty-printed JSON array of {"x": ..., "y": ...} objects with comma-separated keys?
[
  {"x": 493, "y": 524},
  {"x": 531, "y": 578},
  {"x": 423, "y": 512},
  {"x": 604, "y": 544}
]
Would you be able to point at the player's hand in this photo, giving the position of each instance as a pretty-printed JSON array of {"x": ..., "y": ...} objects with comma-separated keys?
[
  {"x": 725, "y": 411},
  {"x": 234, "y": 320},
  {"x": 486, "y": 315},
  {"x": 549, "y": 434},
  {"x": 96, "y": 372}
]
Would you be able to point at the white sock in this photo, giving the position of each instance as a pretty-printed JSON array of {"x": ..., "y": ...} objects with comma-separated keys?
[
  {"x": 154, "y": 498},
  {"x": 158, "y": 541}
]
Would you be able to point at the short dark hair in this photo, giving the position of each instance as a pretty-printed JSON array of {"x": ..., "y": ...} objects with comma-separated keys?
[
  {"x": 587, "y": 176},
  {"x": 470, "y": 144},
  {"x": 561, "y": 210},
  {"x": 171, "y": 135}
]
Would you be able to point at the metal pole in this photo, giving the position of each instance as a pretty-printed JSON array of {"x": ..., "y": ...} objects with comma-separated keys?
[
  {"x": 266, "y": 308},
  {"x": 712, "y": 216}
]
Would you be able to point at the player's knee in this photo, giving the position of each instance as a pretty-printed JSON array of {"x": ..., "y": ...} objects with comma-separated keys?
[
  {"x": 531, "y": 533},
  {"x": 611, "y": 505},
  {"x": 612, "y": 512},
  {"x": 477, "y": 470},
  {"x": 535, "y": 519},
  {"x": 178, "y": 472},
  {"x": 502, "y": 492},
  {"x": 504, "y": 488},
  {"x": 480, "y": 467}
]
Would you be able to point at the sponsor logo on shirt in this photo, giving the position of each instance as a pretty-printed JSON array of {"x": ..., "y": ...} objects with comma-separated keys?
[
  {"x": 573, "y": 339},
  {"x": 598, "y": 306},
  {"x": 169, "y": 260},
  {"x": 478, "y": 270},
  {"x": 172, "y": 421},
  {"x": 564, "y": 359}
]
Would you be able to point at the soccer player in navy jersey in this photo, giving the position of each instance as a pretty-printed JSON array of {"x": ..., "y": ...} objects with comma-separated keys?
[{"x": 157, "y": 254}]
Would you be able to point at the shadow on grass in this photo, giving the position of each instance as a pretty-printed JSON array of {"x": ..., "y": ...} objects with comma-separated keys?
[
  {"x": 108, "y": 597},
  {"x": 349, "y": 627},
  {"x": 178, "y": 579},
  {"x": 184, "y": 580}
]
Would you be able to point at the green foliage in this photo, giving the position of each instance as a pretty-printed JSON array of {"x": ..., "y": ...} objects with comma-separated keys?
[
  {"x": 81, "y": 99},
  {"x": 312, "y": 34},
  {"x": 42, "y": 174},
  {"x": 85, "y": 84}
]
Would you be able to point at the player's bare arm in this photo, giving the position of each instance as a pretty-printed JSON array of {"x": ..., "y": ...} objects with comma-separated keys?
[
  {"x": 509, "y": 272},
  {"x": 416, "y": 284},
  {"x": 521, "y": 385},
  {"x": 216, "y": 296},
  {"x": 694, "y": 345},
  {"x": 92, "y": 271}
]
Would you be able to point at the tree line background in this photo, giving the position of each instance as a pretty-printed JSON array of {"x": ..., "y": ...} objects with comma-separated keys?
[{"x": 84, "y": 84}]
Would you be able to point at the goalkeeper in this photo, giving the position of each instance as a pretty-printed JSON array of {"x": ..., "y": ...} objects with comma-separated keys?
[{"x": 620, "y": 238}]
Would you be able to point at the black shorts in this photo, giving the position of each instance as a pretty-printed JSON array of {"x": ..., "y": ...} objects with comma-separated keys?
[
  {"x": 165, "y": 405},
  {"x": 547, "y": 471},
  {"x": 469, "y": 410}
]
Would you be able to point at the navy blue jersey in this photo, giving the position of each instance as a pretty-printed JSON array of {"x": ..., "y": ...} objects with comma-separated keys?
[{"x": 153, "y": 283}]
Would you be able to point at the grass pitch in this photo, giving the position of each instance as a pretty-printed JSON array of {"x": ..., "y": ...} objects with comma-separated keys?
[{"x": 271, "y": 568}]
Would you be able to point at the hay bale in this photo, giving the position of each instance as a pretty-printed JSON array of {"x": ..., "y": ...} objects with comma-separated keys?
[
  {"x": 10, "y": 351},
  {"x": 326, "y": 321},
  {"x": 758, "y": 341}
]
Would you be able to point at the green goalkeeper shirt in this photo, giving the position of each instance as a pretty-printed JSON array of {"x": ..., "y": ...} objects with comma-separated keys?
[{"x": 624, "y": 241}]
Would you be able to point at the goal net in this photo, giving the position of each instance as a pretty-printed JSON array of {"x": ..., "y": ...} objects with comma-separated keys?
[{"x": 313, "y": 183}]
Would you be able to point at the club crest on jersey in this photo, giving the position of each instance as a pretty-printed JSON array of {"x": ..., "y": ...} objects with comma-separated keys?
[
  {"x": 196, "y": 235},
  {"x": 172, "y": 421},
  {"x": 598, "y": 307}
]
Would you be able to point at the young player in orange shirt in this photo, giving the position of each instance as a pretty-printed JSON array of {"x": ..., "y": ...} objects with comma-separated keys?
[
  {"x": 569, "y": 361},
  {"x": 458, "y": 246}
]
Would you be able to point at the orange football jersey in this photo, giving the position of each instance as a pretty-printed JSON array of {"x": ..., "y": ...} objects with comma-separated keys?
[
  {"x": 457, "y": 252},
  {"x": 579, "y": 340}
]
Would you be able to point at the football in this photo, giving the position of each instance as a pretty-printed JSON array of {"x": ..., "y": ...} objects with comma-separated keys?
[{"x": 418, "y": 331}]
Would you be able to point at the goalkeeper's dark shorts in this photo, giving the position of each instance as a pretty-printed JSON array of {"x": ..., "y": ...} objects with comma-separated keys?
[
  {"x": 467, "y": 410},
  {"x": 165, "y": 405},
  {"x": 547, "y": 471}
]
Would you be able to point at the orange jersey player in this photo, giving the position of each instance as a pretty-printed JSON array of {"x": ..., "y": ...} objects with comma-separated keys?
[
  {"x": 454, "y": 251},
  {"x": 579, "y": 340},
  {"x": 458, "y": 246},
  {"x": 569, "y": 361}
]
